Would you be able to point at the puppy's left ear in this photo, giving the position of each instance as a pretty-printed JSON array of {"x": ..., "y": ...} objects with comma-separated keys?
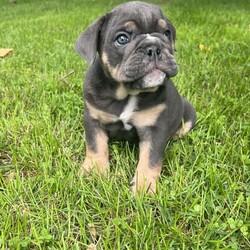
[
  {"x": 87, "y": 43},
  {"x": 173, "y": 38}
]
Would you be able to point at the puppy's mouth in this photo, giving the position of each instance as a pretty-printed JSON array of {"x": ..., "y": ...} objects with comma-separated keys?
[
  {"x": 153, "y": 78},
  {"x": 150, "y": 81}
]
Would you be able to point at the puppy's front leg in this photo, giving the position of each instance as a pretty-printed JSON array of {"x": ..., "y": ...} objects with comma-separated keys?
[
  {"x": 152, "y": 145},
  {"x": 147, "y": 171},
  {"x": 97, "y": 153}
]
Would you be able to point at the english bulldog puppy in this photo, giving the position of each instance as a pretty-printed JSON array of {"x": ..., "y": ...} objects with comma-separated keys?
[{"x": 128, "y": 93}]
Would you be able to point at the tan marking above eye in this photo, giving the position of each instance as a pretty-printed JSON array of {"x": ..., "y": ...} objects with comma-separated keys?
[
  {"x": 162, "y": 24},
  {"x": 130, "y": 26}
]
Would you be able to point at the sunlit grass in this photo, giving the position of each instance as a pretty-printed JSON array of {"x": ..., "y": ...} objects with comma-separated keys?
[{"x": 204, "y": 196}]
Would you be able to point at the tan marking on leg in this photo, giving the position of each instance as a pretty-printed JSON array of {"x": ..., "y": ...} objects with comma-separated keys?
[
  {"x": 98, "y": 161},
  {"x": 147, "y": 117},
  {"x": 100, "y": 115},
  {"x": 186, "y": 127},
  {"x": 162, "y": 24},
  {"x": 146, "y": 175}
]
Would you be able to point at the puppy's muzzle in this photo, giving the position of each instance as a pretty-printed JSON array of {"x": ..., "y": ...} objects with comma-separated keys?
[
  {"x": 153, "y": 52},
  {"x": 157, "y": 62},
  {"x": 151, "y": 47}
]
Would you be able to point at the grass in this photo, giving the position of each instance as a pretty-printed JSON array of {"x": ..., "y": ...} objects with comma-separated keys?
[{"x": 204, "y": 196}]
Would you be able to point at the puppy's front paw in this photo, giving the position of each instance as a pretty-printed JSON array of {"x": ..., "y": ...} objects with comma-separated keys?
[
  {"x": 142, "y": 183},
  {"x": 90, "y": 166},
  {"x": 86, "y": 167}
]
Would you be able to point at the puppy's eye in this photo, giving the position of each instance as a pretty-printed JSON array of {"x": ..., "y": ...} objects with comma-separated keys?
[
  {"x": 167, "y": 33},
  {"x": 122, "y": 39}
]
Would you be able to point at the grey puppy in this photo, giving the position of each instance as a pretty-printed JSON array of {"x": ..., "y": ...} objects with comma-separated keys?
[{"x": 128, "y": 93}]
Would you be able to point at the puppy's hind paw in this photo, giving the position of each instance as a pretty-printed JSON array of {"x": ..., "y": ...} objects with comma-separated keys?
[{"x": 186, "y": 127}]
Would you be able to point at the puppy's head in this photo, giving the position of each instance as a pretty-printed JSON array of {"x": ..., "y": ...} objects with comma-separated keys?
[{"x": 135, "y": 43}]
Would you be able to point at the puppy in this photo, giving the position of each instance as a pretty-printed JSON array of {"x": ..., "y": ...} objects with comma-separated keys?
[{"x": 128, "y": 93}]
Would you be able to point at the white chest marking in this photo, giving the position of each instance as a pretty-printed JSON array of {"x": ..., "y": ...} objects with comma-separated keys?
[{"x": 128, "y": 111}]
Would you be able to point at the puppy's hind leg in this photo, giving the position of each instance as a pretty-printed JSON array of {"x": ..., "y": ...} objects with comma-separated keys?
[{"x": 189, "y": 118}]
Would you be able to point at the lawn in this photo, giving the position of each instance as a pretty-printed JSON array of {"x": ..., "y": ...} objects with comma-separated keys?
[{"x": 203, "y": 198}]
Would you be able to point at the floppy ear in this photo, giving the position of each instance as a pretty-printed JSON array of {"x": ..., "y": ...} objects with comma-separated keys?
[
  {"x": 87, "y": 43},
  {"x": 173, "y": 36}
]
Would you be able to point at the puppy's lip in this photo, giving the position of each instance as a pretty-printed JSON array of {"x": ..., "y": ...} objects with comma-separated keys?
[
  {"x": 151, "y": 80},
  {"x": 154, "y": 78},
  {"x": 154, "y": 73}
]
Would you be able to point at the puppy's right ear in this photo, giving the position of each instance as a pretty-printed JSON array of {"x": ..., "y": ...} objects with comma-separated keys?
[{"x": 87, "y": 43}]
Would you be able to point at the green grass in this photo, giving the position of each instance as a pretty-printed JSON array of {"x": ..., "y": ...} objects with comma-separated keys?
[{"x": 204, "y": 192}]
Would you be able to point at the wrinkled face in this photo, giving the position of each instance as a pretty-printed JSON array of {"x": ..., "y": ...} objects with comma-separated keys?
[{"x": 137, "y": 46}]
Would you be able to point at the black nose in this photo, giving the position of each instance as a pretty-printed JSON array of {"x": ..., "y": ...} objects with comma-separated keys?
[{"x": 153, "y": 52}]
